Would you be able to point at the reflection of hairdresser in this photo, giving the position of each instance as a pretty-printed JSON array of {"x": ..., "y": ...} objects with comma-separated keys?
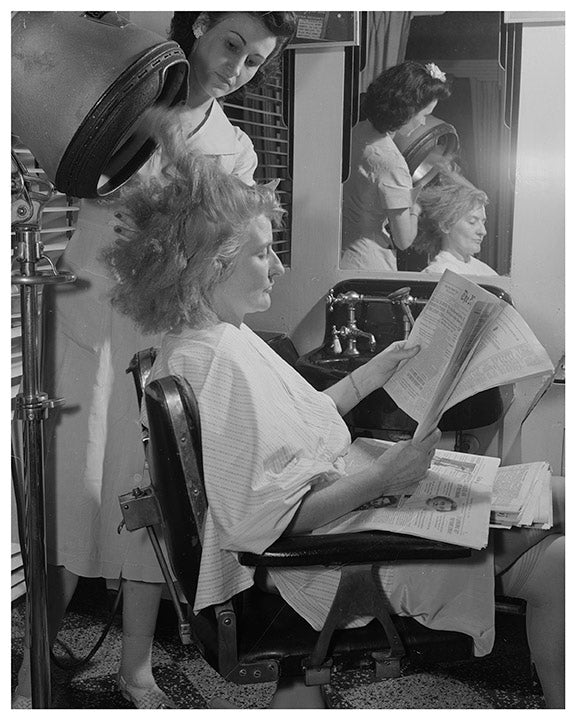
[
  {"x": 379, "y": 213},
  {"x": 452, "y": 226},
  {"x": 274, "y": 447},
  {"x": 96, "y": 451}
]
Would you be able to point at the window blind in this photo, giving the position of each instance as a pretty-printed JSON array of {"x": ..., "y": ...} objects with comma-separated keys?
[{"x": 264, "y": 114}]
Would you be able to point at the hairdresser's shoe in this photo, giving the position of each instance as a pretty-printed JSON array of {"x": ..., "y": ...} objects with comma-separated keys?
[
  {"x": 150, "y": 698},
  {"x": 21, "y": 702}
]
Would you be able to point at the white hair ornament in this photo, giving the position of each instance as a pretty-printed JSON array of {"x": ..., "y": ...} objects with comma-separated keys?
[{"x": 434, "y": 71}]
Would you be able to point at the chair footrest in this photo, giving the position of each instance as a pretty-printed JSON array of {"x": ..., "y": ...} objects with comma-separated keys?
[{"x": 347, "y": 548}]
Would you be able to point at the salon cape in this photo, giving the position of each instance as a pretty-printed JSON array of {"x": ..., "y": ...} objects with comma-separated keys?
[
  {"x": 267, "y": 437},
  {"x": 445, "y": 260}
]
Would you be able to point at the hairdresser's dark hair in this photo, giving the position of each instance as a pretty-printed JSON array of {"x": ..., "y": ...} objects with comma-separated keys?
[
  {"x": 400, "y": 92},
  {"x": 183, "y": 232},
  {"x": 444, "y": 202},
  {"x": 280, "y": 24}
]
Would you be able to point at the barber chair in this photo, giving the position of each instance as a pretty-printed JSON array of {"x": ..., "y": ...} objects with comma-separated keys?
[{"x": 256, "y": 637}]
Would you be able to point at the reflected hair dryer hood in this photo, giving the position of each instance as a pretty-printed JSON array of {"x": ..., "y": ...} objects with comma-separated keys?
[
  {"x": 81, "y": 82},
  {"x": 425, "y": 147}
]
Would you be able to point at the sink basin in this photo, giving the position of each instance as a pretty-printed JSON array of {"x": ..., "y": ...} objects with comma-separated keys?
[
  {"x": 379, "y": 411},
  {"x": 341, "y": 364},
  {"x": 386, "y": 323}
]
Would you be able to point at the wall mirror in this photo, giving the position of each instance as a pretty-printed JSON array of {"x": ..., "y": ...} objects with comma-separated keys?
[{"x": 480, "y": 54}]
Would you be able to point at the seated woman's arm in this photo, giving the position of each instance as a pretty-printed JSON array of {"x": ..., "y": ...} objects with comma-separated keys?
[
  {"x": 396, "y": 470},
  {"x": 348, "y": 392}
]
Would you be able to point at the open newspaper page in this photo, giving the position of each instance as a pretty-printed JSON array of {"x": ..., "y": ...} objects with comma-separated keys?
[
  {"x": 447, "y": 331},
  {"x": 450, "y": 504},
  {"x": 506, "y": 353},
  {"x": 470, "y": 341}
]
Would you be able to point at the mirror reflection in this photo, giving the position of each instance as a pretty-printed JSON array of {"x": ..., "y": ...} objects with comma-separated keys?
[{"x": 431, "y": 156}]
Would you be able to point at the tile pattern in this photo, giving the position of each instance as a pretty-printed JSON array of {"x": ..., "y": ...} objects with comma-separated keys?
[{"x": 501, "y": 680}]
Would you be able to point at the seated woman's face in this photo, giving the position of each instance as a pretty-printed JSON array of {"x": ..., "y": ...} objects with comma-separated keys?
[
  {"x": 465, "y": 237},
  {"x": 248, "y": 288}
]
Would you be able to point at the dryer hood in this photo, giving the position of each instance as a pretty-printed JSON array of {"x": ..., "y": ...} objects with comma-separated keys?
[{"x": 427, "y": 148}]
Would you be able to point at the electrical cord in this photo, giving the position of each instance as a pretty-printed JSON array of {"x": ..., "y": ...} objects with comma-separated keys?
[
  {"x": 75, "y": 662},
  {"x": 79, "y": 662}
]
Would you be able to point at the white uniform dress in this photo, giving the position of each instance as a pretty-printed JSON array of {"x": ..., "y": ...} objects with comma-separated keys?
[
  {"x": 379, "y": 181},
  {"x": 94, "y": 452},
  {"x": 267, "y": 437},
  {"x": 445, "y": 260}
]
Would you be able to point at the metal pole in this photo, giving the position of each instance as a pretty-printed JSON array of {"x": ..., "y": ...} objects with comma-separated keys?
[{"x": 32, "y": 408}]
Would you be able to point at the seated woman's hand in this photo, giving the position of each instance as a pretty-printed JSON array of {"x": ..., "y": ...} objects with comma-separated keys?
[
  {"x": 382, "y": 366},
  {"x": 405, "y": 464}
]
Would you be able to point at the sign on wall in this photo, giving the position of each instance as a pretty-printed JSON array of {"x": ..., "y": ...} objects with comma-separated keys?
[{"x": 326, "y": 29}]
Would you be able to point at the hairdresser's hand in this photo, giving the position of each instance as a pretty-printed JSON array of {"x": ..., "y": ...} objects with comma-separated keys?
[
  {"x": 402, "y": 466},
  {"x": 382, "y": 366},
  {"x": 120, "y": 225}
]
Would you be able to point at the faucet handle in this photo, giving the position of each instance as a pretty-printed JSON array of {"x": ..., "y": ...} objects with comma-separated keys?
[
  {"x": 336, "y": 344},
  {"x": 330, "y": 299}
]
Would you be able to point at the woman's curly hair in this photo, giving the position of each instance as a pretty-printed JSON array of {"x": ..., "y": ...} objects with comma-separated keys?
[
  {"x": 182, "y": 233},
  {"x": 444, "y": 202},
  {"x": 398, "y": 93},
  {"x": 281, "y": 25}
]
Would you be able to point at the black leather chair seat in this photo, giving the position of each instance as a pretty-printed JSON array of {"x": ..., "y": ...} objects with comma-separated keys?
[{"x": 345, "y": 548}]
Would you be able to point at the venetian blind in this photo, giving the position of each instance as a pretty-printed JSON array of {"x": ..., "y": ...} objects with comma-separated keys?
[{"x": 264, "y": 114}]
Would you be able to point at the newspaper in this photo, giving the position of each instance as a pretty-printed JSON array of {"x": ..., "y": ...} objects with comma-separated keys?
[
  {"x": 451, "y": 503},
  {"x": 470, "y": 340},
  {"x": 522, "y": 496}
]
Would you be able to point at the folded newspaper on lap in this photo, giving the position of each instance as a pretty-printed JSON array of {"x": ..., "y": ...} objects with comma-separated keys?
[
  {"x": 451, "y": 503},
  {"x": 470, "y": 340},
  {"x": 522, "y": 496},
  {"x": 459, "y": 499}
]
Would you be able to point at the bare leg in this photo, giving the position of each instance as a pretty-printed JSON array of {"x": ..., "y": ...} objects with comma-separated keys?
[
  {"x": 545, "y": 628},
  {"x": 60, "y": 587},
  {"x": 141, "y": 602},
  {"x": 536, "y": 574}
]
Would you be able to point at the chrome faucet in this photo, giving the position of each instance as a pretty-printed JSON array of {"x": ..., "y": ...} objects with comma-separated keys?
[
  {"x": 349, "y": 332},
  {"x": 404, "y": 299}
]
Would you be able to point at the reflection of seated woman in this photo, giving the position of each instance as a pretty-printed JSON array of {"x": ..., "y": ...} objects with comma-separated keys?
[
  {"x": 273, "y": 446},
  {"x": 452, "y": 227},
  {"x": 378, "y": 212}
]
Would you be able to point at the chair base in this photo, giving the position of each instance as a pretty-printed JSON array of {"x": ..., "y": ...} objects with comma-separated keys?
[{"x": 263, "y": 618}]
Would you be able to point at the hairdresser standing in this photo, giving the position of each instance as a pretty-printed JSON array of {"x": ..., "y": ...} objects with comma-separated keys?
[
  {"x": 379, "y": 210},
  {"x": 94, "y": 449}
]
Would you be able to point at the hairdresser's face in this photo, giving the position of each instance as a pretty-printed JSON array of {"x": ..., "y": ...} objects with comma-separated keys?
[
  {"x": 248, "y": 288},
  {"x": 464, "y": 239},
  {"x": 418, "y": 120},
  {"x": 228, "y": 55}
]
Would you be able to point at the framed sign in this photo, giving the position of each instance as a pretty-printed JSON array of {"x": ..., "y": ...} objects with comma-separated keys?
[{"x": 326, "y": 29}]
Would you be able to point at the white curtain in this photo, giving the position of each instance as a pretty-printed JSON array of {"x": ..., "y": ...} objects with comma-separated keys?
[{"x": 387, "y": 37}]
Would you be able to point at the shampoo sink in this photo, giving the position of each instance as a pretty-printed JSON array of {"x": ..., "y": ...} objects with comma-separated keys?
[{"x": 363, "y": 317}]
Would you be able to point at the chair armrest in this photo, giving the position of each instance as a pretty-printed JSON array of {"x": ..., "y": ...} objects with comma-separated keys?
[{"x": 345, "y": 548}]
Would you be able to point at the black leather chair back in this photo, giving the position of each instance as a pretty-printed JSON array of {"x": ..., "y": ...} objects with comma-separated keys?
[{"x": 174, "y": 431}]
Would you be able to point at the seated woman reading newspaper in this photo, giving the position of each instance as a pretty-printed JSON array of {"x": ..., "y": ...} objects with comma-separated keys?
[{"x": 196, "y": 257}]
